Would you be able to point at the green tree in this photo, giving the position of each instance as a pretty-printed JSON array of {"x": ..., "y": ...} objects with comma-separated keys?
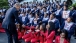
[{"x": 4, "y": 4}]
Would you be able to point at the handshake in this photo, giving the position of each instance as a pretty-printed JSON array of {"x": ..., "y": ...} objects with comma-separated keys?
[
  {"x": 23, "y": 26},
  {"x": 19, "y": 26}
]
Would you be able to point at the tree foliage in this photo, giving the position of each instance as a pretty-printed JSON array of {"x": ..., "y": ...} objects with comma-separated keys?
[
  {"x": 73, "y": 5},
  {"x": 3, "y": 3}
]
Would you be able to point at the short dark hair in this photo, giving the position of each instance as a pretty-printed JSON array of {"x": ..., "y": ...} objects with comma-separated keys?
[
  {"x": 71, "y": 18},
  {"x": 44, "y": 7}
]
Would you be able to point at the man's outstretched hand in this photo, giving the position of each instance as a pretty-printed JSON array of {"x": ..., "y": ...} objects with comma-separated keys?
[{"x": 23, "y": 26}]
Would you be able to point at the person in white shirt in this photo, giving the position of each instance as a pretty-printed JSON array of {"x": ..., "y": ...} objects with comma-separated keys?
[
  {"x": 45, "y": 18},
  {"x": 55, "y": 21},
  {"x": 35, "y": 20},
  {"x": 69, "y": 26},
  {"x": 65, "y": 14},
  {"x": 31, "y": 19}
]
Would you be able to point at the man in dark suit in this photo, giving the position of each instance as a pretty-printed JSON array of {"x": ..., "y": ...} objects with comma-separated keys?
[{"x": 9, "y": 23}]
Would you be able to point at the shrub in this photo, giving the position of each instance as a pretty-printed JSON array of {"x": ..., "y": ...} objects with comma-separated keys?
[{"x": 72, "y": 5}]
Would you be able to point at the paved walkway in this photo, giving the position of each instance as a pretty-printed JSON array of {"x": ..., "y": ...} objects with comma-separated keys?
[{"x": 3, "y": 39}]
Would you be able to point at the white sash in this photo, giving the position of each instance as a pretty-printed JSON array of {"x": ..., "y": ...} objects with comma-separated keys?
[
  {"x": 20, "y": 15},
  {"x": 68, "y": 25},
  {"x": 23, "y": 18},
  {"x": 44, "y": 19},
  {"x": 29, "y": 16},
  {"x": 65, "y": 14},
  {"x": 31, "y": 19},
  {"x": 35, "y": 21},
  {"x": 57, "y": 12},
  {"x": 0, "y": 10},
  {"x": 53, "y": 20}
]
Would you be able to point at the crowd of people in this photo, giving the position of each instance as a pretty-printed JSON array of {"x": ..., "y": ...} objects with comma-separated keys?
[
  {"x": 12, "y": 2},
  {"x": 45, "y": 22}
]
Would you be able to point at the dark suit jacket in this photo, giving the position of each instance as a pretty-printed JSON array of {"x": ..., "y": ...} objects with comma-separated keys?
[{"x": 10, "y": 17}]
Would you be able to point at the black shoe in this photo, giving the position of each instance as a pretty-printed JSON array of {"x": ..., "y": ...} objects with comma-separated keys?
[
  {"x": 19, "y": 42},
  {"x": 74, "y": 35}
]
